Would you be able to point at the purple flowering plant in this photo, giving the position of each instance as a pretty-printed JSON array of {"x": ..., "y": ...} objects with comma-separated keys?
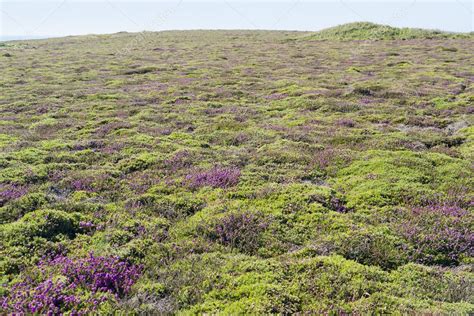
[
  {"x": 241, "y": 230},
  {"x": 217, "y": 177},
  {"x": 75, "y": 285},
  {"x": 440, "y": 233},
  {"x": 10, "y": 192}
]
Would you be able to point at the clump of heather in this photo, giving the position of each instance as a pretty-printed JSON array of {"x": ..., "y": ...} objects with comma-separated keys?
[
  {"x": 61, "y": 283},
  {"x": 87, "y": 226},
  {"x": 326, "y": 160},
  {"x": 110, "y": 127},
  {"x": 99, "y": 274},
  {"x": 84, "y": 184},
  {"x": 337, "y": 205},
  {"x": 241, "y": 231},
  {"x": 440, "y": 233},
  {"x": 47, "y": 297},
  {"x": 99, "y": 182},
  {"x": 346, "y": 122},
  {"x": 276, "y": 96},
  {"x": 11, "y": 192},
  {"x": 178, "y": 160},
  {"x": 140, "y": 181},
  {"x": 216, "y": 177}
]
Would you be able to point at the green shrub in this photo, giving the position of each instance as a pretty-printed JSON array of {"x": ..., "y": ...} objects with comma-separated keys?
[
  {"x": 332, "y": 284},
  {"x": 373, "y": 246},
  {"x": 22, "y": 206},
  {"x": 416, "y": 281},
  {"x": 34, "y": 235},
  {"x": 172, "y": 207},
  {"x": 136, "y": 163},
  {"x": 46, "y": 224},
  {"x": 391, "y": 178}
]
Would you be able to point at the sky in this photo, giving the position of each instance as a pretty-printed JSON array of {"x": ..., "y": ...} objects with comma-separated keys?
[{"x": 34, "y": 19}]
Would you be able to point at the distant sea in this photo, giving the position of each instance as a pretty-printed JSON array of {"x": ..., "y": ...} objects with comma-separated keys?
[{"x": 4, "y": 38}]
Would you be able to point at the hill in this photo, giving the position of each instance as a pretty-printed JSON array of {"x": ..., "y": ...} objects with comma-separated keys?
[
  {"x": 372, "y": 31},
  {"x": 236, "y": 172}
]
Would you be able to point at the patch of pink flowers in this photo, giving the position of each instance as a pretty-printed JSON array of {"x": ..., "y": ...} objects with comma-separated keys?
[
  {"x": 242, "y": 231},
  {"x": 61, "y": 283},
  {"x": 216, "y": 177},
  {"x": 11, "y": 192},
  {"x": 440, "y": 233}
]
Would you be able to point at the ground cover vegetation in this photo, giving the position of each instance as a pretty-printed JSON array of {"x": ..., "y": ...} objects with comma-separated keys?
[{"x": 238, "y": 172}]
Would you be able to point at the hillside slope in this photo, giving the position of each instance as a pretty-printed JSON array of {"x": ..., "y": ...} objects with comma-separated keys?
[
  {"x": 372, "y": 31},
  {"x": 236, "y": 172}
]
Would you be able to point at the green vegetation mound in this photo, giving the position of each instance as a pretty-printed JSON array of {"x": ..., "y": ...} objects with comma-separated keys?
[{"x": 373, "y": 31}]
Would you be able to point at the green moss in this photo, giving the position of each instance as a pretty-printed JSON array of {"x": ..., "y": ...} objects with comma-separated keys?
[
  {"x": 390, "y": 178},
  {"x": 47, "y": 122},
  {"x": 333, "y": 283},
  {"x": 138, "y": 162},
  {"x": 16, "y": 209},
  {"x": 372, "y": 246},
  {"x": 100, "y": 97},
  {"x": 414, "y": 280},
  {"x": 7, "y": 140},
  {"x": 46, "y": 224}
]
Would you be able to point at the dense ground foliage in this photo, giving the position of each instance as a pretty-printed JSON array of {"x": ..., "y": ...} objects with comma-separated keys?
[
  {"x": 372, "y": 31},
  {"x": 236, "y": 172}
]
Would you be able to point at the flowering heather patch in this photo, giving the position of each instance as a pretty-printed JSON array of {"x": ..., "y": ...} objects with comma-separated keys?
[
  {"x": 86, "y": 225},
  {"x": 276, "y": 96},
  {"x": 216, "y": 177},
  {"x": 84, "y": 184},
  {"x": 241, "y": 231},
  {"x": 140, "y": 182},
  {"x": 11, "y": 192},
  {"x": 366, "y": 100},
  {"x": 440, "y": 233},
  {"x": 179, "y": 160},
  {"x": 99, "y": 274},
  {"x": 346, "y": 122},
  {"x": 50, "y": 294},
  {"x": 47, "y": 297}
]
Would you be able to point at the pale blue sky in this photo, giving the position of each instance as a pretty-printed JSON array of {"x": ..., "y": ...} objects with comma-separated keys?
[{"x": 74, "y": 17}]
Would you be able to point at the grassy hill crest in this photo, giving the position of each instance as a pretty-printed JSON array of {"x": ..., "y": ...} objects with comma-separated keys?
[{"x": 373, "y": 31}]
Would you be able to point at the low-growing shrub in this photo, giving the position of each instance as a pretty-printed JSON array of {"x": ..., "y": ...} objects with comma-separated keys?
[
  {"x": 383, "y": 178},
  {"x": 376, "y": 247},
  {"x": 11, "y": 192},
  {"x": 217, "y": 177},
  {"x": 75, "y": 286},
  {"x": 331, "y": 284},
  {"x": 242, "y": 231},
  {"x": 36, "y": 234},
  {"x": 44, "y": 224},
  {"x": 172, "y": 207},
  {"x": 439, "y": 234},
  {"x": 435, "y": 283},
  {"x": 21, "y": 206},
  {"x": 136, "y": 163}
]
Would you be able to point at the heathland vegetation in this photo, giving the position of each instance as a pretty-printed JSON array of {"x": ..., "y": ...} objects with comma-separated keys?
[{"x": 238, "y": 172}]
